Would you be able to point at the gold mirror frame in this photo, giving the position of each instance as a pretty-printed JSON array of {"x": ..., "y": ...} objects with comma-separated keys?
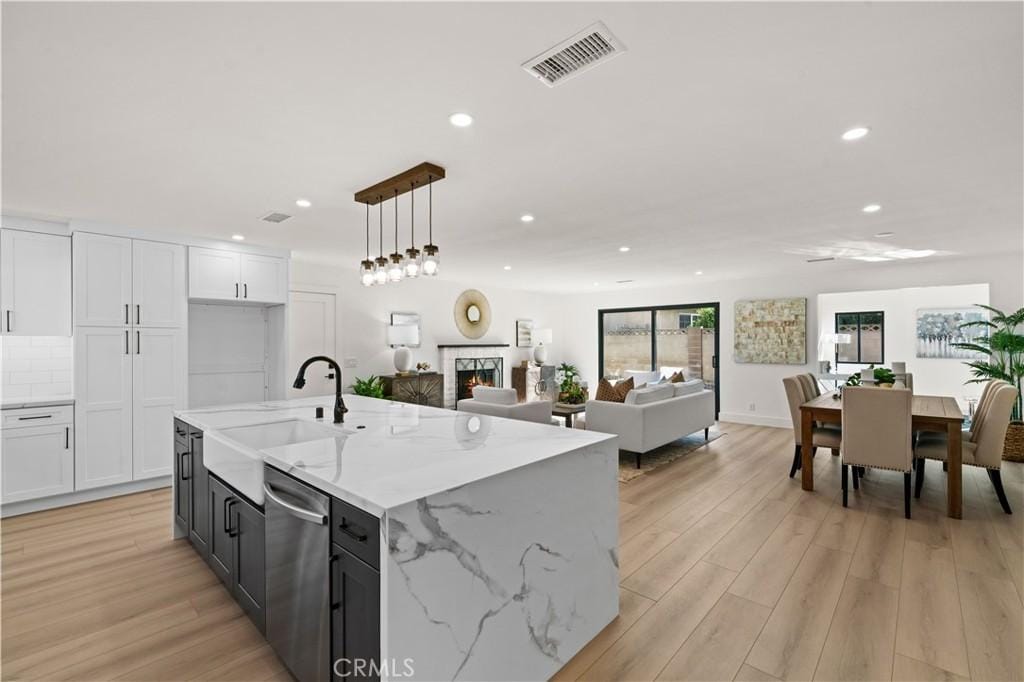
[{"x": 468, "y": 299}]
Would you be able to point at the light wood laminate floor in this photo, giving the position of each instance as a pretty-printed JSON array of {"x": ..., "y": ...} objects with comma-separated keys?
[{"x": 728, "y": 571}]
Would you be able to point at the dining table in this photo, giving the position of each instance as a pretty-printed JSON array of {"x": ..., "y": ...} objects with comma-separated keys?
[{"x": 928, "y": 413}]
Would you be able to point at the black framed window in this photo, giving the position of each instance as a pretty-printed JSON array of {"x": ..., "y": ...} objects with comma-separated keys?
[{"x": 866, "y": 331}]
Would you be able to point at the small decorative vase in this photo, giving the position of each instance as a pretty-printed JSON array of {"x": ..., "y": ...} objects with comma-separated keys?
[{"x": 540, "y": 354}]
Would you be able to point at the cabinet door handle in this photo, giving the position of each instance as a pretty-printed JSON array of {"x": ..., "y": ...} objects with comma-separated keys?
[
  {"x": 8, "y": 320},
  {"x": 236, "y": 289},
  {"x": 67, "y": 437},
  {"x": 245, "y": 289},
  {"x": 126, "y": 342},
  {"x": 138, "y": 314},
  {"x": 228, "y": 503},
  {"x": 41, "y": 416},
  {"x": 126, "y": 313},
  {"x": 347, "y": 530},
  {"x": 184, "y": 476},
  {"x": 335, "y": 605},
  {"x": 138, "y": 343}
]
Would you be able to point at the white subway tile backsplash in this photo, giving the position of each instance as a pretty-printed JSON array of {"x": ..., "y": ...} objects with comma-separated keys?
[{"x": 35, "y": 366}]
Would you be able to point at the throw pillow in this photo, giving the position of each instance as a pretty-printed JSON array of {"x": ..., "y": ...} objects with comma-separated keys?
[
  {"x": 677, "y": 377},
  {"x": 606, "y": 392},
  {"x": 622, "y": 388}
]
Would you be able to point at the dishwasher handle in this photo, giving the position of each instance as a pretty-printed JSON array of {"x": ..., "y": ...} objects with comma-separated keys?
[{"x": 305, "y": 514}]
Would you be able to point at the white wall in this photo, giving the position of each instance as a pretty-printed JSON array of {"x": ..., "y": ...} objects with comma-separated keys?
[
  {"x": 932, "y": 376},
  {"x": 364, "y": 313},
  {"x": 760, "y": 386}
]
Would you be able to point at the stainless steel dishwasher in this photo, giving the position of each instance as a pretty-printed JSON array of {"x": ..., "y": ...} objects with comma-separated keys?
[{"x": 298, "y": 575}]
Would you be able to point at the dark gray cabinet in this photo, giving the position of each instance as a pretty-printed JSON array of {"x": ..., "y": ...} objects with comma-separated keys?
[
  {"x": 355, "y": 617},
  {"x": 199, "y": 505},
  {"x": 236, "y": 548},
  {"x": 182, "y": 490}
]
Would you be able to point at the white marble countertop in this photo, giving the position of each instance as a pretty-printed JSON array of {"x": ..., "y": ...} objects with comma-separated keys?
[
  {"x": 403, "y": 452},
  {"x": 37, "y": 401}
]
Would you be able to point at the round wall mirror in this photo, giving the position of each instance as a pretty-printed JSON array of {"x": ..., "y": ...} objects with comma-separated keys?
[{"x": 472, "y": 314}]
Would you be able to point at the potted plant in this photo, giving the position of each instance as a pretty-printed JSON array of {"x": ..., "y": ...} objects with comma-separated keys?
[
  {"x": 371, "y": 387},
  {"x": 883, "y": 377},
  {"x": 569, "y": 389},
  {"x": 1002, "y": 350}
]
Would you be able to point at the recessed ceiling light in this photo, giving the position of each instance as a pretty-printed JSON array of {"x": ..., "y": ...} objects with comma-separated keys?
[
  {"x": 623, "y": 249},
  {"x": 238, "y": 237},
  {"x": 460, "y": 120},
  {"x": 872, "y": 208},
  {"x": 526, "y": 218},
  {"x": 623, "y": 281},
  {"x": 303, "y": 203},
  {"x": 883, "y": 235},
  {"x": 699, "y": 272},
  {"x": 856, "y": 133},
  {"x": 508, "y": 267},
  {"x": 597, "y": 284}
]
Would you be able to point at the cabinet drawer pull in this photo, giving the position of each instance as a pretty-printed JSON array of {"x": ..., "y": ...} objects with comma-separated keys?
[
  {"x": 355, "y": 535},
  {"x": 138, "y": 314},
  {"x": 8, "y": 320},
  {"x": 40, "y": 416},
  {"x": 184, "y": 475},
  {"x": 126, "y": 342},
  {"x": 126, "y": 313},
  {"x": 236, "y": 289},
  {"x": 228, "y": 503},
  {"x": 180, "y": 432},
  {"x": 245, "y": 289},
  {"x": 138, "y": 343}
]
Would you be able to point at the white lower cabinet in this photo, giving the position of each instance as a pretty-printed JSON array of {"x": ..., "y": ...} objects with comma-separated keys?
[
  {"x": 103, "y": 406},
  {"x": 158, "y": 379},
  {"x": 38, "y": 456}
]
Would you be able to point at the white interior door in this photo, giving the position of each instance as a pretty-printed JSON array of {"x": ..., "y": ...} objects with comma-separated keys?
[
  {"x": 103, "y": 279},
  {"x": 312, "y": 333},
  {"x": 158, "y": 284},
  {"x": 103, "y": 406},
  {"x": 158, "y": 377}
]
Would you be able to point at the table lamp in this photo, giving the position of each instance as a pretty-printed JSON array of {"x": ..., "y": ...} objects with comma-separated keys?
[{"x": 540, "y": 351}]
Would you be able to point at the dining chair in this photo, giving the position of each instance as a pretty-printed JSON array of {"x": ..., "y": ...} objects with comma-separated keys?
[
  {"x": 984, "y": 445},
  {"x": 876, "y": 434},
  {"x": 797, "y": 393},
  {"x": 925, "y": 437}
]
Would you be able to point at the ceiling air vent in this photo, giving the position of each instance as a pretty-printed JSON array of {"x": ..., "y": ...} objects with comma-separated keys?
[
  {"x": 275, "y": 217},
  {"x": 585, "y": 50}
]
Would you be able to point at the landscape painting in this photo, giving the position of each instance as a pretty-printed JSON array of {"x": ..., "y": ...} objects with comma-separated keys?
[
  {"x": 771, "y": 331},
  {"x": 938, "y": 329}
]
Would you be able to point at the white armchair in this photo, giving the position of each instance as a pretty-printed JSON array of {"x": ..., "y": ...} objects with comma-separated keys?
[{"x": 501, "y": 402}]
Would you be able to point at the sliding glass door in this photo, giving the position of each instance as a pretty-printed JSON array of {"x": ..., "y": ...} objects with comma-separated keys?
[{"x": 661, "y": 338}]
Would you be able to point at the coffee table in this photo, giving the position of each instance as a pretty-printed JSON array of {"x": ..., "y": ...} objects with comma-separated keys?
[{"x": 566, "y": 410}]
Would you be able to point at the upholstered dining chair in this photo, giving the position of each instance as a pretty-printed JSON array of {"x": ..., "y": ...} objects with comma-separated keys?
[
  {"x": 799, "y": 392},
  {"x": 983, "y": 447},
  {"x": 876, "y": 434}
]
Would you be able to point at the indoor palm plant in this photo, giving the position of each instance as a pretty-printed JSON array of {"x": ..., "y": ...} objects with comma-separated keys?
[
  {"x": 1002, "y": 351},
  {"x": 371, "y": 387}
]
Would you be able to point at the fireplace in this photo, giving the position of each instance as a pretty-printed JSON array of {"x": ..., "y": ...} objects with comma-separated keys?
[{"x": 470, "y": 372}]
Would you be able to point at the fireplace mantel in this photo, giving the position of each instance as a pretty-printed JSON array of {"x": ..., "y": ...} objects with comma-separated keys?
[{"x": 473, "y": 345}]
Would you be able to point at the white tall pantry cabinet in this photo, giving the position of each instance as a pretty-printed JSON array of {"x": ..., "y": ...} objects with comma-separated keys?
[{"x": 130, "y": 307}]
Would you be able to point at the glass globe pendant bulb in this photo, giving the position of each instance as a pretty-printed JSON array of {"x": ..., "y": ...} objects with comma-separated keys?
[
  {"x": 431, "y": 260},
  {"x": 380, "y": 270},
  {"x": 412, "y": 263},
  {"x": 366, "y": 277},
  {"x": 396, "y": 270}
]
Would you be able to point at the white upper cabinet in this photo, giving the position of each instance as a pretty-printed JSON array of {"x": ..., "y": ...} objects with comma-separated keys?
[
  {"x": 219, "y": 275},
  {"x": 158, "y": 284},
  {"x": 103, "y": 280},
  {"x": 35, "y": 284},
  {"x": 264, "y": 278}
]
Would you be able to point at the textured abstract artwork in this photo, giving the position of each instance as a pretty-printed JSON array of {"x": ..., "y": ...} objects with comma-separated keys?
[
  {"x": 771, "y": 331},
  {"x": 938, "y": 329}
]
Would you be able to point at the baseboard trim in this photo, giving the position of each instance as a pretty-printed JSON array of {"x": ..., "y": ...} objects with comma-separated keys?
[
  {"x": 755, "y": 420},
  {"x": 80, "y": 496}
]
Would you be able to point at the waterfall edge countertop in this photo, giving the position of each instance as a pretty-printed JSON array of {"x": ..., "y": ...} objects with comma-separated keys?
[{"x": 387, "y": 454}]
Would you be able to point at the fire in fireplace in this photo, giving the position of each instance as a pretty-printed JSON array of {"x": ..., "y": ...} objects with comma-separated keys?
[{"x": 470, "y": 372}]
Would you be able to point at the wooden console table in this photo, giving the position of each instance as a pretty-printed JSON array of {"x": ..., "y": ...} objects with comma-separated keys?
[{"x": 425, "y": 388}]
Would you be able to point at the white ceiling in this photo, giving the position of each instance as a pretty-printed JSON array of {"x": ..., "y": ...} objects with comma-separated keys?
[{"x": 712, "y": 144}]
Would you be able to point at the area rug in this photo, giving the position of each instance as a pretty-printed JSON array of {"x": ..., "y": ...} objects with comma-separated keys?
[{"x": 659, "y": 457}]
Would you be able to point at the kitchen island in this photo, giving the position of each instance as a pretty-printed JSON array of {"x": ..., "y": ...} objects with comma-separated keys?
[{"x": 496, "y": 540}]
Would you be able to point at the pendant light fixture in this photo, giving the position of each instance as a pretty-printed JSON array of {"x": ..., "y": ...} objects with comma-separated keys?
[
  {"x": 366, "y": 266},
  {"x": 412, "y": 254},
  {"x": 396, "y": 270},
  {"x": 431, "y": 254},
  {"x": 380, "y": 264}
]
